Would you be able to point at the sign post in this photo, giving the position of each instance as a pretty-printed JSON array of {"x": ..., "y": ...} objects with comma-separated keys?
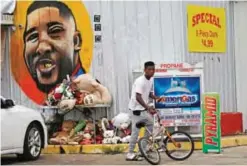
[{"x": 211, "y": 137}]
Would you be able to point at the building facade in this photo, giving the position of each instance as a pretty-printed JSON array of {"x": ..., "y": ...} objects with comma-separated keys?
[{"x": 134, "y": 32}]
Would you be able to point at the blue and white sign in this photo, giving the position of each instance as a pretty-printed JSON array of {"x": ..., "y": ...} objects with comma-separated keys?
[
  {"x": 178, "y": 92},
  {"x": 180, "y": 85}
]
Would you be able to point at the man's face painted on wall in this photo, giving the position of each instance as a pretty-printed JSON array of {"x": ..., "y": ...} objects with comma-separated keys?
[{"x": 51, "y": 43}]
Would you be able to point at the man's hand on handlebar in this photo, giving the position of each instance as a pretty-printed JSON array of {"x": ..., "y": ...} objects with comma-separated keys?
[
  {"x": 151, "y": 110},
  {"x": 160, "y": 99}
]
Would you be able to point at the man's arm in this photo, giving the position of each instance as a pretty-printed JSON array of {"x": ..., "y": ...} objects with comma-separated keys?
[
  {"x": 139, "y": 89},
  {"x": 156, "y": 98},
  {"x": 151, "y": 95},
  {"x": 140, "y": 100}
]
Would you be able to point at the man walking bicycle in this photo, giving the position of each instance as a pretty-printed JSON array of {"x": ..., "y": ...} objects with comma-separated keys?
[{"x": 142, "y": 90}]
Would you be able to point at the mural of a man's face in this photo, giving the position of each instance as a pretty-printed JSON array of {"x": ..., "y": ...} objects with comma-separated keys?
[{"x": 51, "y": 46}]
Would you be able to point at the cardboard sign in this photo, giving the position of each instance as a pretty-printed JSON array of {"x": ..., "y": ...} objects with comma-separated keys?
[
  {"x": 206, "y": 29},
  {"x": 211, "y": 140}
]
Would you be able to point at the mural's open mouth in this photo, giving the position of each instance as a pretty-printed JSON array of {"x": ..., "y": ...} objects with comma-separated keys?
[{"x": 45, "y": 66}]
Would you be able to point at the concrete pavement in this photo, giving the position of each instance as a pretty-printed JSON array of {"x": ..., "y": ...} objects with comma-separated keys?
[{"x": 229, "y": 156}]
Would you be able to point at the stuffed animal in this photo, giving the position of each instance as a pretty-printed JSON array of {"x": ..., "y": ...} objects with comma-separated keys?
[
  {"x": 65, "y": 105},
  {"x": 76, "y": 138},
  {"x": 88, "y": 133},
  {"x": 99, "y": 139},
  {"x": 71, "y": 97},
  {"x": 62, "y": 137},
  {"x": 61, "y": 92},
  {"x": 123, "y": 123},
  {"x": 67, "y": 94},
  {"x": 125, "y": 139},
  {"x": 97, "y": 93},
  {"x": 99, "y": 132},
  {"x": 81, "y": 125},
  {"x": 83, "y": 90},
  {"x": 78, "y": 94},
  {"x": 55, "y": 95},
  {"x": 108, "y": 135}
]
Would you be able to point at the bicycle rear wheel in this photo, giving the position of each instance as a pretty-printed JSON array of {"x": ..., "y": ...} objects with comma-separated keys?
[
  {"x": 185, "y": 146},
  {"x": 149, "y": 151}
]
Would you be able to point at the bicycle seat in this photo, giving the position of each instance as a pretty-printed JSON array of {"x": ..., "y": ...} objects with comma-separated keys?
[{"x": 141, "y": 123}]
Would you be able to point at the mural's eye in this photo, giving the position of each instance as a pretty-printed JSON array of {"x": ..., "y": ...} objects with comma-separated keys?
[
  {"x": 53, "y": 30},
  {"x": 33, "y": 37}
]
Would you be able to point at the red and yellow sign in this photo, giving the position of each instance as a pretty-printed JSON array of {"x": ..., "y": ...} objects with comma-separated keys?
[{"x": 206, "y": 29}]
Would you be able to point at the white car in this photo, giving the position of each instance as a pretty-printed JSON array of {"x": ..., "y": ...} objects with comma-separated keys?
[{"x": 23, "y": 130}]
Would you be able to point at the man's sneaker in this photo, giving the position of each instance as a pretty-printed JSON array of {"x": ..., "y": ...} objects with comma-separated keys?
[
  {"x": 133, "y": 157},
  {"x": 139, "y": 154},
  {"x": 162, "y": 148}
]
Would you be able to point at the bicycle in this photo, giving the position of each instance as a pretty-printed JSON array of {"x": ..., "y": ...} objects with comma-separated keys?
[{"x": 156, "y": 141}]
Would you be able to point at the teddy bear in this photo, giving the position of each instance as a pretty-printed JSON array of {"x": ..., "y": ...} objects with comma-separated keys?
[
  {"x": 62, "y": 137},
  {"x": 76, "y": 139},
  {"x": 83, "y": 90},
  {"x": 76, "y": 134},
  {"x": 96, "y": 92},
  {"x": 123, "y": 124},
  {"x": 66, "y": 105}
]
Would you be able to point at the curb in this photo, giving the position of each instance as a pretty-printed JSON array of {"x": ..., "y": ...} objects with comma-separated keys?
[{"x": 231, "y": 141}]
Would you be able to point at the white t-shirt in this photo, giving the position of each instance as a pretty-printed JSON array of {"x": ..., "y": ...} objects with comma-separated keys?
[{"x": 143, "y": 86}]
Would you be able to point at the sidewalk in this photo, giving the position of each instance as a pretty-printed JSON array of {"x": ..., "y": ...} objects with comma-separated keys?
[
  {"x": 229, "y": 156},
  {"x": 229, "y": 141}
]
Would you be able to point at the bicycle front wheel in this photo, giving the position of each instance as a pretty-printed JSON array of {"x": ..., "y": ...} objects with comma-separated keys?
[
  {"x": 179, "y": 146},
  {"x": 149, "y": 151}
]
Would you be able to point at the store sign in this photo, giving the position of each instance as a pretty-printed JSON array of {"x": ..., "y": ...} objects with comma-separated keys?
[
  {"x": 179, "y": 85},
  {"x": 182, "y": 67},
  {"x": 177, "y": 92},
  {"x": 211, "y": 123},
  {"x": 206, "y": 29},
  {"x": 182, "y": 120}
]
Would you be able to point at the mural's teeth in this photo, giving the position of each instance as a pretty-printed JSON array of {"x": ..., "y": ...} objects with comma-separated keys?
[{"x": 47, "y": 65}]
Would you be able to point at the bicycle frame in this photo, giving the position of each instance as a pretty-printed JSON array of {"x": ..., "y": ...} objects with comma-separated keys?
[{"x": 159, "y": 129}]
